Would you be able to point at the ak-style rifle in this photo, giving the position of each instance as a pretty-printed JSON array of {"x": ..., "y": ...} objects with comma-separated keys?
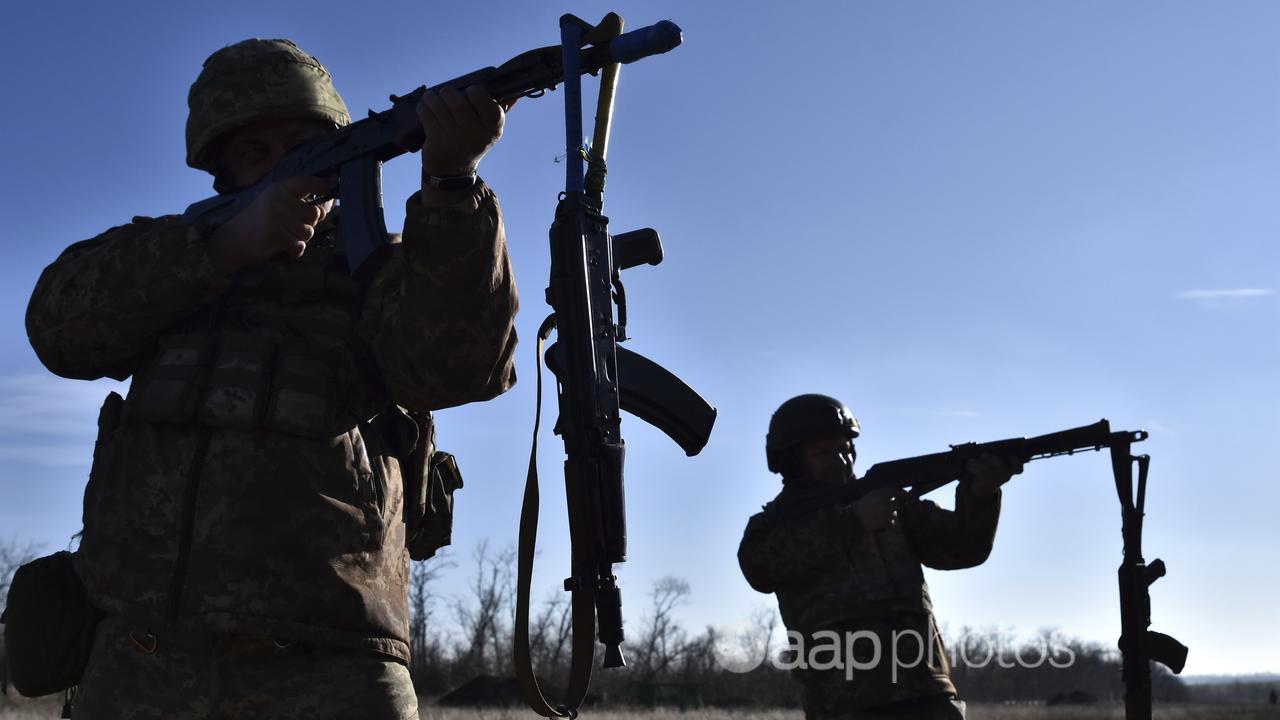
[
  {"x": 596, "y": 379},
  {"x": 351, "y": 158}
]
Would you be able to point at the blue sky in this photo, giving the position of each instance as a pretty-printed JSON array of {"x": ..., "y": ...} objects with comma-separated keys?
[{"x": 969, "y": 220}]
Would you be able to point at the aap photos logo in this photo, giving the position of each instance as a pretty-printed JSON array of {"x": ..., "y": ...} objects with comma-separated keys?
[{"x": 743, "y": 647}]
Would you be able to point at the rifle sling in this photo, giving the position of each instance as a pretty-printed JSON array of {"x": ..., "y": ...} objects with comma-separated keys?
[{"x": 582, "y": 652}]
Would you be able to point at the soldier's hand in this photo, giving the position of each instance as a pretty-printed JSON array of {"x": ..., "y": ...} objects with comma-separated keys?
[
  {"x": 988, "y": 472},
  {"x": 876, "y": 510},
  {"x": 460, "y": 127},
  {"x": 280, "y": 221}
]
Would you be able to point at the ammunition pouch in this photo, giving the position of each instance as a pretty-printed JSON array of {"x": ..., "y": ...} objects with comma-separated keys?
[
  {"x": 171, "y": 387},
  {"x": 49, "y": 625},
  {"x": 430, "y": 479},
  {"x": 248, "y": 381}
]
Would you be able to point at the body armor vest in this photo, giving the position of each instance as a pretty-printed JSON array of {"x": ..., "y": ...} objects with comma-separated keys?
[
  {"x": 276, "y": 352},
  {"x": 252, "y": 483}
]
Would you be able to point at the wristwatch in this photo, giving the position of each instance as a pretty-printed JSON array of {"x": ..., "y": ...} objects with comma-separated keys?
[{"x": 452, "y": 182}]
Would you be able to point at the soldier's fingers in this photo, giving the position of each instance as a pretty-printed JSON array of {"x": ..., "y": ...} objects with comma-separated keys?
[
  {"x": 300, "y": 233},
  {"x": 430, "y": 123},
  {"x": 459, "y": 104},
  {"x": 487, "y": 109},
  {"x": 288, "y": 209},
  {"x": 304, "y": 185},
  {"x": 439, "y": 110},
  {"x": 978, "y": 467},
  {"x": 325, "y": 208}
]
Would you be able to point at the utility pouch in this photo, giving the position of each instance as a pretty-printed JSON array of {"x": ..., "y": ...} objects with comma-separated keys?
[
  {"x": 239, "y": 382},
  {"x": 430, "y": 479},
  {"x": 436, "y": 528},
  {"x": 48, "y": 626},
  {"x": 304, "y": 390},
  {"x": 170, "y": 388}
]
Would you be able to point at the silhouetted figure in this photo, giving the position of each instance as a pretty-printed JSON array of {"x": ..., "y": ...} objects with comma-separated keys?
[
  {"x": 852, "y": 571},
  {"x": 244, "y": 523}
]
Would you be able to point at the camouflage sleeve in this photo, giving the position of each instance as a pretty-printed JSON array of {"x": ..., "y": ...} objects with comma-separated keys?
[
  {"x": 440, "y": 315},
  {"x": 104, "y": 300},
  {"x": 952, "y": 540},
  {"x": 775, "y": 553}
]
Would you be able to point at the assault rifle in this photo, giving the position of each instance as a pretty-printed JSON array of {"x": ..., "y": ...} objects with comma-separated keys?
[
  {"x": 596, "y": 380},
  {"x": 351, "y": 158},
  {"x": 926, "y": 473},
  {"x": 1138, "y": 645}
]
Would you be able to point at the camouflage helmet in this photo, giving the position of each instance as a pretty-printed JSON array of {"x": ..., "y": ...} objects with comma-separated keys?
[
  {"x": 805, "y": 417},
  {"x": 251, "y": 80}
]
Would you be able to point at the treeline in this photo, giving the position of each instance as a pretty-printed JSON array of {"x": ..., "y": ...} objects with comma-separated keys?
[{"x": 455, "y": 640}]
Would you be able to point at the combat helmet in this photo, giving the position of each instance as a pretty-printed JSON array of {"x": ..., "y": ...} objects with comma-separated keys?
[
  {"x": 805, "y": 417},
  {"x": 251, "y": 80}
]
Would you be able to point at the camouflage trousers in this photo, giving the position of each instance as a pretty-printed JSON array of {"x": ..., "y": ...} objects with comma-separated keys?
[{"x": 136, "y": 675}]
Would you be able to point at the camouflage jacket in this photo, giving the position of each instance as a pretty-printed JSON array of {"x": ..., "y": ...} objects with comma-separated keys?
[
  {"x": 252, "y": 481},
  {"x": 831, "y": 575}
]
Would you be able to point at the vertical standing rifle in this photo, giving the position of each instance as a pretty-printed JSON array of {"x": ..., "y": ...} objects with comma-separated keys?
[
  {"x": 1138, "y": 645},
  {"x": 595, "y": 378}
]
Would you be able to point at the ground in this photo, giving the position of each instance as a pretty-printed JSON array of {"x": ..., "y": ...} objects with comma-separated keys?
[{"x": 44, "y": 709}]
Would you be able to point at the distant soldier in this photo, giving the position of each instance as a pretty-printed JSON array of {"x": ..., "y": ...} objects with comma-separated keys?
[
  {"x": 244, "y": 522},
  {"x": 853, "y": 571}
]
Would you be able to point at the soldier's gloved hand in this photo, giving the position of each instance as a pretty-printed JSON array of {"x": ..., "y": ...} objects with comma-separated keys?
[
  {"x": 460, "y": 127},
  {"x": 988, "y": 472},
  {"x": 278, "y": 221},
  {"x": 876, "y": 510}
]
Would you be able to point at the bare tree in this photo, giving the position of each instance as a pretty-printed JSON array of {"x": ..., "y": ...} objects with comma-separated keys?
[
  {"x": 662, "y": 640},
  {"x": 13, "y": 555},
  {"x": 483, "y": 621},
  {"x": 549, "y": 634},
  {"x": 426, "y": 646},
  {"x": 764, "y": 622}
]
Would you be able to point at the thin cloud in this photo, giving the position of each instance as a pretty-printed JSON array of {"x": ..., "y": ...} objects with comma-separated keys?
[
  {"x": 48, "y": 421},
  {"x": 1227, "y": 294},
  {"x": 68, "y": 454}
]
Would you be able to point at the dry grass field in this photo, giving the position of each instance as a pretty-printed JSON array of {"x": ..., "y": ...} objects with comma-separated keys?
[{"x": 45, "y": 709}]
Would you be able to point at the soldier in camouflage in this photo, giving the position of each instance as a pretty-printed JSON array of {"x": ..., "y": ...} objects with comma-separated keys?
[
  {"x": 244, "y": 521},
  {"x": 851, "y": 574}
]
